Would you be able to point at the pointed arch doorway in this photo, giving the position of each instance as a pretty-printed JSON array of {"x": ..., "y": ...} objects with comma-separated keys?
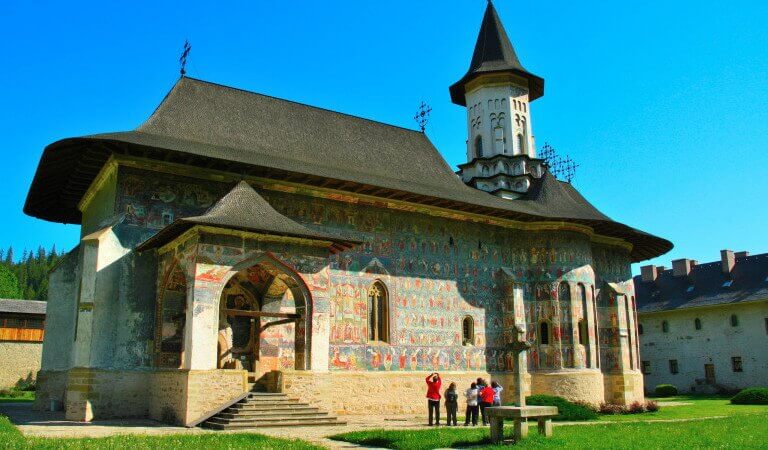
[{"x": 263, "y": 319}]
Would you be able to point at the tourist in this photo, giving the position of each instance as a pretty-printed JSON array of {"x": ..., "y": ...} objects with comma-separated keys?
[
  {"x": 486, "y": 399},
  {"x": 433, "y": 397},
  {"x": 471, "y": 396},
  {"x": 496, "y": 393},
  {"x": 451, "y": 404}
]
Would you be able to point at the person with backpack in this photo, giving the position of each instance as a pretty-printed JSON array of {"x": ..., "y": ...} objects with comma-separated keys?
[
  {"x": 433, "y": 397},
  {"x": 451, "y": 404},
  {"x": 471, "y": 396}
]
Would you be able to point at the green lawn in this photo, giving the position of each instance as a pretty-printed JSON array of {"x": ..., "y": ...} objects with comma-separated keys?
[
  {"x": 733, "y": 432},
  {"x": 11, "y": 438},
  {"x": 699, "y": 407},
  {"x": 19, "y": 396},
  {"x": 743, "y": 427}
]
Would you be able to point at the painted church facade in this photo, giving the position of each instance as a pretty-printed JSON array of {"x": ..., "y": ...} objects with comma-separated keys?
[{"x": 221, "y": 247}]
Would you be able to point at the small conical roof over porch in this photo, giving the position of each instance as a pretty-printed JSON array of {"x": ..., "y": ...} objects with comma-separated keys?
[
  {"x": 243, "y": 209},
  {"x": 494, "y": 53}
]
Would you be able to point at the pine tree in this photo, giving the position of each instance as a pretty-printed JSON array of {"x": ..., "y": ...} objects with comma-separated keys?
[
  {"x": 9, "y": 255},
  {"x": 9, "y": 285}
]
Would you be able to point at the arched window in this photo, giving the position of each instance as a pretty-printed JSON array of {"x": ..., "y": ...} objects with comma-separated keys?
[
  {"x": 734, "y": 320},
  {"x": 640, "y": 328},
  {"x": 468, "y": 331},
  {"x": 665, "y": 326},
  {"x": 486, "y": 170},
  {"x": 479, "y": 147},
  {"x": 521, "y": 144},
  {"x": 564, "y": 292},
  {"x": 697, "y": 323},
  {"x": 544, "y": 333},
  {"x": 378, "y": 313}
]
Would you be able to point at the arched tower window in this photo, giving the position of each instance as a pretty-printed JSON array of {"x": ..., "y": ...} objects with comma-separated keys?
[
  {"x": 544, "y": 333},
  {"x": 640, "y": 328},
  {"x": 468, "y": 331},
  {"x": 521, "y": 144},
  {"x": 734, "y": 320},
  {"x": 665, "y": 326},
  {"x": 479, "y": 147},
  {"x": 697, "y": 323},
  {"x": 378, "y": 313}
]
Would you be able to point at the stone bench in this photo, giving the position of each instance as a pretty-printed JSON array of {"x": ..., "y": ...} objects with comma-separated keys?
[{"x": 497, "y": 414}]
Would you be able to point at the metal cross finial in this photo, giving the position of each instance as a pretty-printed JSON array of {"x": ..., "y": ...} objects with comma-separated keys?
[
  {"x": 183, "y": 58},
  {"x": 422, "y": 117},
  {"x": 569, "y": 170}
]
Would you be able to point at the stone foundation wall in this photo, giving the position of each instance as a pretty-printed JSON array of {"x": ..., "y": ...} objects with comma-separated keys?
[
  {"x": 51, "y": 385},
  {"x": 208, "y": 389},
  {"x": 581, "y": 385},
  {"x": 379, "y": 393},
  {"x": 102, "y": 394},
  {"x": 172, "y": 396},
  {"x": 19, "y": 361},
  {"x": 624, "y": 388}
]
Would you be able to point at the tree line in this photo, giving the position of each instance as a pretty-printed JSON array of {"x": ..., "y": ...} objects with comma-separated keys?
[{"x": 26, "y": 277}]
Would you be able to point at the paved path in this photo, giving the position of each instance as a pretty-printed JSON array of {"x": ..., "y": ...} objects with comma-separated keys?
[{"x": 54, "y": 424}]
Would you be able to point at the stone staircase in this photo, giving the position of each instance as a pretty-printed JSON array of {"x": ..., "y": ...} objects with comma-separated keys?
[{"x": 261, "y": 410}]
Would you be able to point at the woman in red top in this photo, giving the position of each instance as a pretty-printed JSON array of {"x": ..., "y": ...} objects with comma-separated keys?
[
  {"x": 433, "y": 396},
  {"x": 486, "y": 400}
]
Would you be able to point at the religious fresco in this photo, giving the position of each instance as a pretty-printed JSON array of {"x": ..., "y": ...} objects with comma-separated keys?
[
  {"x": 155, "y": 201},
  {"x": 436, "y": 272},
  {"x": 171, "y": 313}
]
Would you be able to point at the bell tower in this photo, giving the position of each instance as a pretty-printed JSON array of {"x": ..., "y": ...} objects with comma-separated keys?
[{"x": 497, "y": 91}]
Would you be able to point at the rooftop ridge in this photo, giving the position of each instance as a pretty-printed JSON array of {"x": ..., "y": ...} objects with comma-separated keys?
[{"x": 295, "y": 102}]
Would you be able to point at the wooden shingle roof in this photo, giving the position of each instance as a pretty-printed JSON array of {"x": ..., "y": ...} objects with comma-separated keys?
[{"x": 222, "y": 128}]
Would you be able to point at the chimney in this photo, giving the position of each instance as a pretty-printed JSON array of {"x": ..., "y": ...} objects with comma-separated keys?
[
  {"x": 727, "y": 260},
  {"x": 682, "y": 267},
  {"x": 648, "y": 273},
  {"x": 660, "y": 269},
  {"x": 740, "y": 255}
]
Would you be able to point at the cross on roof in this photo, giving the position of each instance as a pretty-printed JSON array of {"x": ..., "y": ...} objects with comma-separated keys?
[
  {"x": 422, "y": 116},
  {"x": 183, "y": 57}
]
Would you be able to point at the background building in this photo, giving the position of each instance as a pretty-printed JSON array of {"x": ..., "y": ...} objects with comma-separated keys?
[
  {"x": 21, "y": 340},
  {"x": 704, "y": 327}
]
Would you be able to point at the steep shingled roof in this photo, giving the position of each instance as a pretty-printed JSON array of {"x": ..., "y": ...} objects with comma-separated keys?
[
  {"x": 217, "y": 127},
  {"x": 494, "y": 53},
  {"x": 705, "y": 286},
  {"x": 22, "y": 306},
  {"x": 245, "y": 210}
]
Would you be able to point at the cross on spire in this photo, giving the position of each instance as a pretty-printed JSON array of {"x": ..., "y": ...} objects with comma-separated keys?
[
  {"x": 422, "y": 116},
  {"x": 183, "y": 57}
]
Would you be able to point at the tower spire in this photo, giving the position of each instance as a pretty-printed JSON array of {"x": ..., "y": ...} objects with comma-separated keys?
[
  {"x": 497, "y": 91},
  {"x": 494, "y": 53}
]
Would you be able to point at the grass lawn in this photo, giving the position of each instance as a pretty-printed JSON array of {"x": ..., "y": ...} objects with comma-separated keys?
[
  {"x": 743, "y": 427},
  {"x": 11, "y": 438},
  {"x": 745, "y": 432},
  {"x": 25, "y": 396},
  {"x": 699, "y": 407}
]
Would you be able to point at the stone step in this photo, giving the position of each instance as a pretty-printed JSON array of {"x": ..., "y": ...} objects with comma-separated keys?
[
  {"x": 261, "y": 398},
  {"x": 269, "y": 404},
  {"x": 278, "y": 423},
  {"x": 272, "y": 414},
  {"x": 236, "y": 418},
  {"x": 289, "y": 408}
]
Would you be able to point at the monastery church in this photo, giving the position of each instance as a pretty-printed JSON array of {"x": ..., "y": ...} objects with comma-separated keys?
[{"x": 237, "y": 243}]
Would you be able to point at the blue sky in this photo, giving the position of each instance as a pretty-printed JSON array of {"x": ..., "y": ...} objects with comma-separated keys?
[{"x": 664, "y": 104}]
